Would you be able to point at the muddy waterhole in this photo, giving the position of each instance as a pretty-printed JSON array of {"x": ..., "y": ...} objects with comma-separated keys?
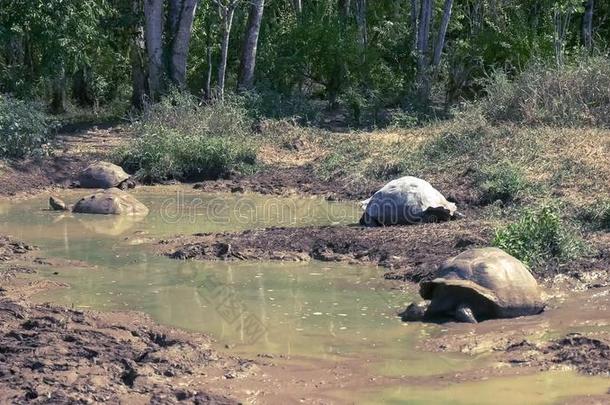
[{"x": 299, "y": 313}]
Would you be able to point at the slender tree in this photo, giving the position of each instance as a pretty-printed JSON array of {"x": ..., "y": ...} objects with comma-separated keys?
[
  {"x": 182, "y": 14},
  {"x": 153, "y": 14},
  {"x": 587, "y": 25},
  {"x": 248, "y": 56},
  {"x": 442, "y": 32},
  {"x": 226, "y": 10},
  {"x": 415, "y": 21},
  {"x": 361, "y": 21},
  {"x": 298, "y": 6},
  {"x": 423, "y": 37},
  {"x": 139, "y": 78}
]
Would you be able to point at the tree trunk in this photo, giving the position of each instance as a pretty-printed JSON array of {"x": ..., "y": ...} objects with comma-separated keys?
[
  {"x": 298, "y": 6},
  {"x": 442, "y": 32},
  {"x": 344, "y": 6},
  {"x": 181, "y": 23},
  {"x": 227, "y": 12},
  {"x": 248, "y": 57},
  {"x": 15, "y": 50},
  {"x": 562, "y": 23},
  {"x": 207, "y": 90},
  {"x": 415, "y": 21},
  {"x": 58, "y": 99},
  {"x": 587, "y": 25},
  {"x": 80, "y": 87},
  {"x": 361, "y": 22},
  {"x": 153, "y": 13},
  {"x": 423, "y": 34},
  {"x": 138, "y": 56}
]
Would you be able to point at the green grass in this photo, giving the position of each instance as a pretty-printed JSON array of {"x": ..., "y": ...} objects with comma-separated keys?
[
  {"x": 179, "y": 139},
  {"x": 540, "y": 238},
  {"x": 25, "y": 128},
  {"x": 503, "y": 181},
  {"x": 596, "y": 216}
]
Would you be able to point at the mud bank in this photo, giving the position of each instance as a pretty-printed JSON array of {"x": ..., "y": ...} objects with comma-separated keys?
[
  {"x": 285, "y": 181},
  {"x": 587, "y": 355},
  {"x": 77, "y": 146},
  {"x": 408, "y": 253},
  {"x": 53, "y": 354}
]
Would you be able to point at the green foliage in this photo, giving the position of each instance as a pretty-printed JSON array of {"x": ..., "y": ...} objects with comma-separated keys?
[
  {"x": 502, "y": 181},
  {"x": 597, "y": 215},
  {"x": 326, "y": 57},
  {"x": 178, "y": 139},
  {"x": 24, "y": 128},
  {"x": 574, "y": 95},
  {"x": 54, "y": 43},
  {"x": 540, "y": 238}
]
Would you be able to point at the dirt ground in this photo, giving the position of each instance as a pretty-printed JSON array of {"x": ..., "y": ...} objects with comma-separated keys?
[
  {"x": 52, "y": 354},
  {"x": 408, "y": 253},
  {"x": 297, "y": 180},
  {"x": 76, "y": 147}
]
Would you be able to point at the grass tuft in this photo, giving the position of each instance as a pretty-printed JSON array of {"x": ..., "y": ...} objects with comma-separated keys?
[
  {"x": 179, "y": 139},
  {"x": 503, "y": 181},
  {"x": 540, "y": 239},
  {"x": 597, "y": 215},
  {"x": 574, "y": 95}
]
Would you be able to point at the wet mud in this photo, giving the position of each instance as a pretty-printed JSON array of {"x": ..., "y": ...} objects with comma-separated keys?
[{"x": 408, "y": 253}]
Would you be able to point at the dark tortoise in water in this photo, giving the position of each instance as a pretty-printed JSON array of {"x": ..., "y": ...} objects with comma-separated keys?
[{"x": 476, "y": 285}]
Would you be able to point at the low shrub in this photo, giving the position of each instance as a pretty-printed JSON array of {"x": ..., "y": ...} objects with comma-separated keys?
[
  {"x": 597, "y": 215},
  {"x": 540, "y": 238},
  {"x": 574, "y": 95},
  {"x": 502, "y": 181},
  {"x": 24, "y": 128},
  {"x": 179, "y": 139}
]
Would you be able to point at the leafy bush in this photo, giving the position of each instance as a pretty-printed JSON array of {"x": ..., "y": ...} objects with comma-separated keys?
[
  {"x": 24, "y": 128},
  {"x": 539, "y": 237},
  {"x": 574, "y": 95},
  {"x": 597, "y": 215},
  {"x": 502, "y": 181},
  {"x": 178, "y": 139}
]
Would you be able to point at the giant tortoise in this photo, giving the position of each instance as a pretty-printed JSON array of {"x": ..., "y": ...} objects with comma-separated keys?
[
  {"x": 476, "y": 285},
  {"x": 111, "y": 201},
  {"x": 407, "y": 200},
  {"x": 102, "y": 175}
]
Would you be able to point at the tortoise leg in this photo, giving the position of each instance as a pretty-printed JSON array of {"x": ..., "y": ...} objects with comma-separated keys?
[
  {"x": 415, "y": 312},
  {"x": 367, "y": 220},
  {"x": 463, "y": 313}
]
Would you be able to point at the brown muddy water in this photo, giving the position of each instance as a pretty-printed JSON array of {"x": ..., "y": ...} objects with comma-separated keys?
[{"x": 298, "y": 312}]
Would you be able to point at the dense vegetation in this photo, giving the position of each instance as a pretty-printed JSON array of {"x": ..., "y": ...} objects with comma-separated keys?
[
  {"x": 374, "y": 60},
  {"x": 178, "y": 139},
  {"x": 24, "y": 128}
]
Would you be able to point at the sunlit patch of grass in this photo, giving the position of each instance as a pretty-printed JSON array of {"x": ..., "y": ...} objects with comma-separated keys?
[
  {"x": 596, "y": 215},
  {"x": 540, "y": 238},
  {"x": 180, "y": 139}
]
